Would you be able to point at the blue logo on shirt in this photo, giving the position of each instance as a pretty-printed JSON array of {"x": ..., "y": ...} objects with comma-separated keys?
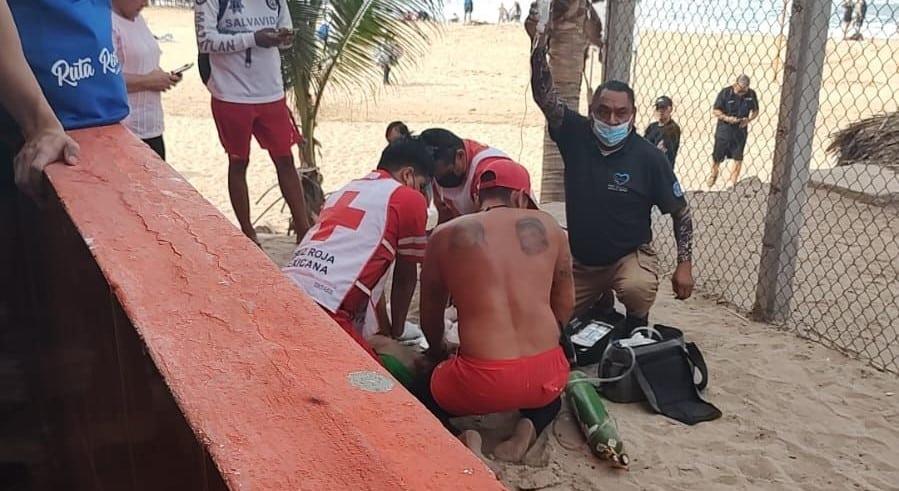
[
  {"x": 621, "y": 178},
  {"x": 236, "y": 6},
  {"x": 677, "y": 190}
]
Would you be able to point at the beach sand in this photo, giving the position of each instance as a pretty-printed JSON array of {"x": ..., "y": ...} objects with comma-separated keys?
[{"x": 796, "y": 415}]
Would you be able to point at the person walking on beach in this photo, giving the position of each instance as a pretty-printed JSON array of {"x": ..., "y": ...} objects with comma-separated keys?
[
  {"x": 664, "y": 133},
  {"x": 387, "y": 55},
  {"x": 613, "y": 178},
  {"x": 735, "y": 107},
  {"x": 248, "y": 95},
  {"x": 139, "y": 54},
  {"x": 469, "y": 8}
]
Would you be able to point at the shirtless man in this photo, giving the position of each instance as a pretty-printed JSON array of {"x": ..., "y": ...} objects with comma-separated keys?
[{"x": 508, "y": 269}]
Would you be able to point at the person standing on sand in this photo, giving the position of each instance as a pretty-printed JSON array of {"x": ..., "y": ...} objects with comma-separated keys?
[
  {"x": 848, "y": 6},
  {"x": 613, "y": 178},
  {"x": 508, "y": 270},
  {"x": 458, "y": 165},
  {"x": 860, "y": 11},
  {"x": 139, "y": 53},
  {"x": 469, "y": 8},
  {"x": 664, "y": 133},
  {"x": 735, "y": 107},
  {"x": 248, "y": 95},
  {"x": 364, "y": 227}
]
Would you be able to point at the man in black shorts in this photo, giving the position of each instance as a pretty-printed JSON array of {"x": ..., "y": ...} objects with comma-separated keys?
[{"x": 735, "y": 107}]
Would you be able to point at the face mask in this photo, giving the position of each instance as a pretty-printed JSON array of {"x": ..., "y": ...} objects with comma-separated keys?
[
  {"x": 610, "y": 135},
  {"x": 451, "y": 180}
]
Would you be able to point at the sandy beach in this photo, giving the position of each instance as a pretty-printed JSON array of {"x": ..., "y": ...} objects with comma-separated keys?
[{"x": 797, "y": 415}]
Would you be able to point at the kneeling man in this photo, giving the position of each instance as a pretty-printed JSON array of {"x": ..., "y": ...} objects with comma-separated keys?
[
  {"x": 342, "y": 261},
  {"x": 508, "y": 270}
]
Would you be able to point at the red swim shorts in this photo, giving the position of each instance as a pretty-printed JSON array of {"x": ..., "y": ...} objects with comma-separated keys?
[
  {"x": 271, "y": 123},
  {"x": 465, "y": 386}
]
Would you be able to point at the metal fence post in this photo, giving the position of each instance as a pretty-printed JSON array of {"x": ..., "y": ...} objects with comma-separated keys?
[
  {"x": 621, "y": 21},
  {"x": 806, "y": 46}
]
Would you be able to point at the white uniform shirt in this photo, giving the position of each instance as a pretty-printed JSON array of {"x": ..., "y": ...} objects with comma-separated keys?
[{"x": 241, "y": 72}]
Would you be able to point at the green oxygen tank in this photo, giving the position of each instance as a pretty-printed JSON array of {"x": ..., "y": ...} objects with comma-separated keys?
[
  {"x": 597, "y": 424},
  {"x": 397, "y": 369}
]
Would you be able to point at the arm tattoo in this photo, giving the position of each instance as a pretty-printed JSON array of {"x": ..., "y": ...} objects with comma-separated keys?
[
  {"x": 683, "y": 233},
  {"x": 531, "y": 236},
  {"x": 545, "y": 93}
]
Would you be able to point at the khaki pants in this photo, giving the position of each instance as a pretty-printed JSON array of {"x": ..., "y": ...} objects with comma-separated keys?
[{"x": 634, "y": 278}]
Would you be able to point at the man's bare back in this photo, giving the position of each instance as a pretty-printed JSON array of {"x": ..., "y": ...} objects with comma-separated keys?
[{"x": 508, "y": 271}]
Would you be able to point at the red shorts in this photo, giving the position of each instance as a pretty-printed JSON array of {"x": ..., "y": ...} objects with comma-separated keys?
[
  {"x": 346, "y": 322},
  {"x": 271, "y": 123},
  {"x": 465, "y": 386}
]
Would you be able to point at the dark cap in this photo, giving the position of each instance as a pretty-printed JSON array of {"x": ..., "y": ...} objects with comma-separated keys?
[{"x": 664, "y": 101}]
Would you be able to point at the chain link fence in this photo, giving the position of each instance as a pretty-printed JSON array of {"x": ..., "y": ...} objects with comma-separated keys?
[{"x": 825, "y": 76}]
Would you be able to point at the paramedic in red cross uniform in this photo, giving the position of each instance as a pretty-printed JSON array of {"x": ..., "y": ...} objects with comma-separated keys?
[
  {"x": 458, "y": 165},
  {"x": 342, "y": 262}
]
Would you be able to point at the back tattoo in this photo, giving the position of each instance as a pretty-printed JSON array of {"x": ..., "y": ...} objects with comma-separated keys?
[{"x": 531, "y": 236}]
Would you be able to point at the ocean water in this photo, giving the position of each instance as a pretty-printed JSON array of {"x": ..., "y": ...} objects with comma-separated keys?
[{"x": 700, "y": 16}]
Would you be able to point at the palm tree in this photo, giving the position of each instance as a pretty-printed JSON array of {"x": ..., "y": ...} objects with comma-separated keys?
[
  {"x": 574, "y": 28},
  {"x": 344, "y": 58}
]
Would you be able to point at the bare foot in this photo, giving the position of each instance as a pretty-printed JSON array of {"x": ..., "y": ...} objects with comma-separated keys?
[
  {"x": 513, "y": 449},
  {"x": 472, "y": 440}
]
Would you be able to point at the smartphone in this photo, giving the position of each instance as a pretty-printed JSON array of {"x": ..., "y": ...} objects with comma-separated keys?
[{"x": 182, "y": 69}]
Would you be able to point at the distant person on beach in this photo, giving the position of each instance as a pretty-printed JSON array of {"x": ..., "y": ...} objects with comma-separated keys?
[
  {"x": 503, "y": 14},
  {"x": 139, "y": 53},
  {"x": 613, "y": 178},
  {"x": 860, "y": 11},
  {"x": 515, "y": 12},
  {"x": 848, "y": 7},
  {"x": 396, "y": 130},
  {"x": 664, "y": 133},
  {"x": 248, "y": 96},
  {"x": 363, "y": 228},
  {"x": 469, "y": 8},
  {"x": 735, "y": 107},
  {"x": 386, "y": 56},
  {"x": 508, "y": 270},
  {"x": 458, "y": 164}
]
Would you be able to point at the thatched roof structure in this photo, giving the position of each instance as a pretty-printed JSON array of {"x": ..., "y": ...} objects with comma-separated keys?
[{"x": 874, "y": 140}]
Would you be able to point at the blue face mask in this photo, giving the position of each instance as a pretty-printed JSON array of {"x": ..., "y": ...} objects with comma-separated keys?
[{"x": 609, "y": 135}]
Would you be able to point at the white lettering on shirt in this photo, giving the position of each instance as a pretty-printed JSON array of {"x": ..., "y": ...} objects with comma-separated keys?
[
  {"x": 109, "y": 61},
  {"x": 71, "y": 74}
]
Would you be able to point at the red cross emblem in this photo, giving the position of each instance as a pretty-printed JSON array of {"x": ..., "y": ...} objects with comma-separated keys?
[{"x": 339, "y": 215}]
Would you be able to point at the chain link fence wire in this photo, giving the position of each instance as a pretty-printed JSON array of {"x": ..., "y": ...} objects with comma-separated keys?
[{"x": 844, "y": 291}]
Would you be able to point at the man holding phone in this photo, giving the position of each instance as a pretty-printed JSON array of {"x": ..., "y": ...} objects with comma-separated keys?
[
  {"x": 242, "y": 39},
  {"x": 139, "y": 53}
]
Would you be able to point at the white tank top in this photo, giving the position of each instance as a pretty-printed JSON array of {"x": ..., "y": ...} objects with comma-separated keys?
[
  {"x": 332, "y": 255},
  {"x": 460, "y": 196}
]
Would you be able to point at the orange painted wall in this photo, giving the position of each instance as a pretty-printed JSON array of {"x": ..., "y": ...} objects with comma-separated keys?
[{"x": 258, "y": 371}]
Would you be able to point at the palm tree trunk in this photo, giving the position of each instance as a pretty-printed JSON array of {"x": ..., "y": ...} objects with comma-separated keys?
[{"x": 566, "y": 59}]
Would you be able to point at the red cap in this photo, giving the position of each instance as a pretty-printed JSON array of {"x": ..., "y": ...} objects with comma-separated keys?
[{"x": 505, "y": 173}]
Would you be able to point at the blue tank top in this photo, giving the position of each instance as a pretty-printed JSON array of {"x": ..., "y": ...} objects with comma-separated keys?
[{"x": 68, "y": 44}]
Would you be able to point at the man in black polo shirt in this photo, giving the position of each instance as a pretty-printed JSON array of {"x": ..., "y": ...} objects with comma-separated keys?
[
  {"x": 735, "y": 107},
  {"x": 613, "y": 177}
]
